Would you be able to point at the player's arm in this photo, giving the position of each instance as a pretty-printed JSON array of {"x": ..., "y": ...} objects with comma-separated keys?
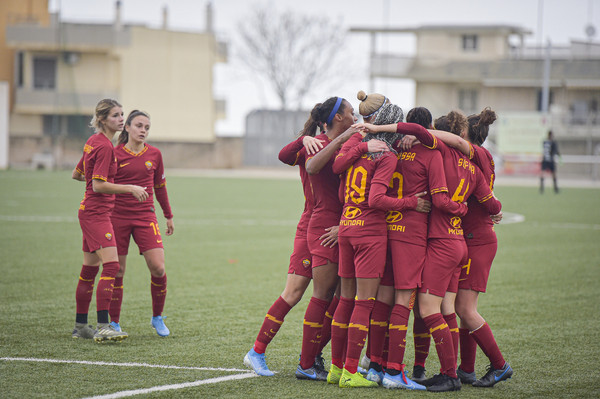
[
  {"x": 292, "y": 153},
  {"x": 100, "y": 185},
  {"x": 436, "y": 177},
  {"x": 352, "y": 150},
  {"x": 412, "y": 129},
  {"x": 317, "y": 162},
  {"x": 442, "y": 201},
  {"x": 78, "y": 172},
  {"x": 454, "y": 141},
  {"x": 485, "y": 196},
  {"x": 160, "y": 191}
]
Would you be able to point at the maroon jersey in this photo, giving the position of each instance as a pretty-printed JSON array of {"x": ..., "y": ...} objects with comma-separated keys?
[
  {"x": 463, "y": 178},
  {"x": 477, "y": 225},
  {"x": 418, "y": 169},
  {"x": 325, "y": 186},
  {"x": 98, "y": 162},
  {"x": 144, "y": 169},
  {"x": 295, "y": 154}
]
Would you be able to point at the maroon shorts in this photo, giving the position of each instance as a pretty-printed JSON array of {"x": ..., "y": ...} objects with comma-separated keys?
[
  {"x": 407, "y": 261},
  {"x": 145, "y": 233},
  {"x": 301, "y": 261},
  {"x": 362, "y": 257},
  {"x": 475, "y": 273},
  {"x": 443, "y": 262},
  {"x": 97, "y": 233},
  {"x": 321, "y": 255}
]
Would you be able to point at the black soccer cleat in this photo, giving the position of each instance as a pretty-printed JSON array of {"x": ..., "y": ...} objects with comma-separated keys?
[
  {"x": 493, "y": 376},
  {"x": 445, "y": 383},
  {"x": 418, "y": 374}
]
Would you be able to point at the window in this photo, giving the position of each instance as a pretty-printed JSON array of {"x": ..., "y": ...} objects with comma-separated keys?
[
  {"x": 469, "y": 42},
  {"x": 467, "y": 100},
  {"x": 19, "y": 69},
  {"x": 76, "y": 126},
  {"x": 539, "y": 99},
  {"x": 44, "y": 73}
]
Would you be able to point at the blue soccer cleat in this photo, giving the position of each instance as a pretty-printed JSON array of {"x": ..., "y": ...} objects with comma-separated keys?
[
  {"x": 257, "y": 362},
  {"x": 400, "y": 381},
  {"x": 115, "y": 326},
  {"x": 375, "y": 376},
  {"x": 159, "y": 325}
]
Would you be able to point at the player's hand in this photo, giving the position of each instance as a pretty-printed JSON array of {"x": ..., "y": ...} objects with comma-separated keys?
[
  {"x": 312, "y": 145},
  {"x": 330, "y": 238},
  {"x": 496, "y": 218},
  {"x": 365, "y": 127},
  {"x": 170, "y": 227},
  {"x": 347, "y": 134},
  {"x": 423, "y": 205},
  {"x": 139, "y": 193},
  {"x": 377, "y": 146},
  {"x": 407, "y": 142}
]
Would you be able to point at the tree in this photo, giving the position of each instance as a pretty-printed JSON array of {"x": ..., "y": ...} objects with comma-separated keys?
[{"x": 293, "y": 52}]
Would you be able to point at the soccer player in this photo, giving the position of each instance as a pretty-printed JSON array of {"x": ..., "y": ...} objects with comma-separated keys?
[
  {"x": 338, "y": 114},
  {"x": 299, "y": 271},
  {"x": 99, "y": 167},
  {"x": 363, "y": 242},
  {"x": 446, "y": 249},
  {"x": 482, "y": 245},
  {"x": 549, "y": 151},
  {"x": 141, "y": 163}
]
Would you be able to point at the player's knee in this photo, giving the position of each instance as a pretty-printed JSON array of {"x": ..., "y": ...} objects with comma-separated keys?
[{"x": 157, "y": 270}]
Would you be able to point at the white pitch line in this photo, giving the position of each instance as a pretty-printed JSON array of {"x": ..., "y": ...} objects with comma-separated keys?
[
  {"x": 134, "y": 392},
  {"x": 160, "y": 366}
]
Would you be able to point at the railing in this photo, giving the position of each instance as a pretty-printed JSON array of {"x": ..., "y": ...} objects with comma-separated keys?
[{"x": 56, "y": 102}]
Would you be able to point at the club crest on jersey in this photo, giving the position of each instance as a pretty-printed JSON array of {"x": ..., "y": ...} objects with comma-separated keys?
[
  {"x": 352, "y": 212},
  {"x": 148, "y": 165},
  {"x": 108, "y": 236},
  {"x": 456, "y": 222},
  {"x": 306, "y": 263},
  {"x": 393, "y": 216}
]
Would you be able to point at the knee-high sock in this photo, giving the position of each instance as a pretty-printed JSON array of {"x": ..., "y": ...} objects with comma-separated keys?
[
  {"x": 311, "y": 332},
  {"x": 105, "y": 290},
  {"x": 379, "y": 325},
  {"x": 453, "y": 327},
  {"x": 158, "y": 290},
  {"x": 339, "y": 331},
  {"x": 358, "y": 329},
  {"x": 443, "y": 343},
  {"x": 117, "y": 299},
  {"x": 397, "y": 330},
  {"x": 326, "y": 330},
  {"x": 486, "y": 341},
  {"x": 84, "y": 292},
  {"x": 468, "y": 350},
  {"x": 271, "y": 324},
  {"x": 422, "y": 340}
]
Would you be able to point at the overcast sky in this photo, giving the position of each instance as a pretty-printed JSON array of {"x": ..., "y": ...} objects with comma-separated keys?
[{"x": 554, "y": 20}]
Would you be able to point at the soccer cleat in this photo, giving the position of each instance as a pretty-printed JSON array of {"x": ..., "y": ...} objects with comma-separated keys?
[
  {"x": 493, "y": 376},
  {"x": 257, "y": 362},
  {"x": 445, "y": 383},
  {"x": 365, "y": 363},
  {"x": 418, "y": 374},
  {"x": 334, "y": 375},
  {"x": 116, "y": 326},
  {"x": 311, "y": 374},
  {"x": 431, "y": 381},
  {"x": 83, "y": 330},
  {"x": 320, "y": 362},
  {"x": 401, "y": 381},
  {"x": 356, "y": 380},
  {"x": 375, "y": 376},
  {"x": 106, "y": 332},
  {"x": 159, "y": 325},
  {"x": 466, "y": 378}
]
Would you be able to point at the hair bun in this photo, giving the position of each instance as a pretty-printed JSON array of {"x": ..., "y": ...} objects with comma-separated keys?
[{"x": 362, "y": 96}]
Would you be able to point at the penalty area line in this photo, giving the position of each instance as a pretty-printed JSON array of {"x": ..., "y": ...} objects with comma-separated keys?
[{"x": 159, "y": 388}]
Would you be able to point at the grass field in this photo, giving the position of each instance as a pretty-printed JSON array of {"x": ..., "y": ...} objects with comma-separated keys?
[{"x": 226, "y": 264}]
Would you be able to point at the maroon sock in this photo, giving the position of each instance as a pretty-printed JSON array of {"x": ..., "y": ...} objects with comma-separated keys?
[
  {"x": 468, "y": 350},
  {"x": 105, "y": 286},
  {"x": 339, "y": 331},
  {"x": 311, "y": 332},
  {"x": 422, "y": 340},
  {"x": 379, "y": 325},
  {"x": 271, "y": 324},
  {"x": 453, "y": 327},
  {"x": 397, "y": 329},
  {"x": 117, "y": 299},
  {"x": 326, "y": 330},
  {"x": 358, "y": 329},
  {"x": 486, "y": 341},
  {"x": 158, "y": 290},
  {"x": 85, "y": 289},
  {"x": 443, "y": 343}
]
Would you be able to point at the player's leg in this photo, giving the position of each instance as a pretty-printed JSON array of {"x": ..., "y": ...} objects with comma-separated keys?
[{"x": 83, "y": 295}]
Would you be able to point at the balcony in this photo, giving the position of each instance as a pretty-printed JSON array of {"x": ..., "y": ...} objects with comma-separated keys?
[
  {"x": 391, "y": 65},
  {"x": 29, "y": 101}
]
